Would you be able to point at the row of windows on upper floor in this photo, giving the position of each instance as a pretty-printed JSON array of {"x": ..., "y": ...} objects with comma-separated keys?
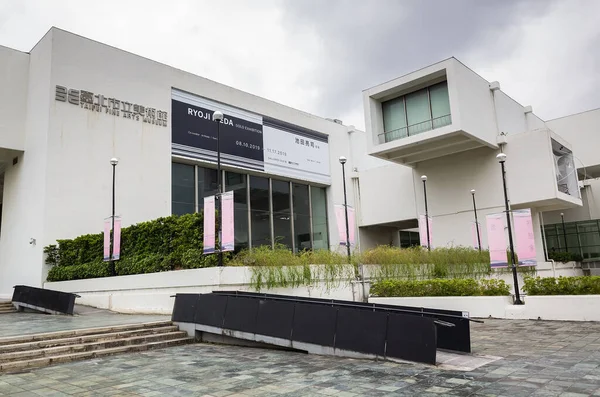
[{"x": 415, "y": 113}]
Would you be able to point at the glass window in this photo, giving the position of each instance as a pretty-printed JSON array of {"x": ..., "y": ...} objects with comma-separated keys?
[
  {"x": 260, "y": 211},
  {"x": 207, "y": 185},
  {"x": 440, "y": 104},
  {"x": 182, "y": 189},
  {"x": 281, "y": 213},
  {"x": 394, "y": 119},
  {"x": 417, "y": 112},
  {"x": 237, "y": 183},
  {"x": 301, "y": 203},
  {"x": 319, "y": 218}
]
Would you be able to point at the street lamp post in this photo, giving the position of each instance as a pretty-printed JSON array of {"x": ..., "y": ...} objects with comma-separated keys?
[
  {"x": 476, "y": 221},
  {"x": 218, "y": 117},
  {"x": 502, "y": 158},
  {"x": 424, "y": 179},
  {"x": 114, "y": 161},
  {"x": 343, "y": 162},
  {"x": 562, "y": 218}
]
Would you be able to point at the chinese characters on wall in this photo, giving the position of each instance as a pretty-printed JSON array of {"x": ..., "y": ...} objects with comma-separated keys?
[
  {"x": 113, "y": 106},
  {"x": 307, "y": 143}
]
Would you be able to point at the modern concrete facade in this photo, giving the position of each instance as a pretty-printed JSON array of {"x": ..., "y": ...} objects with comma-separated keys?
[{"x": 74, "y": 104}]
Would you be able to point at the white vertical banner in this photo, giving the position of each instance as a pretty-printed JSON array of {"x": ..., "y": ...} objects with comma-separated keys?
[
  {"x": 423, "y": 231},
  {"x": 525, "y": 240},
  {"x": 475, "y": 228},
  {"x": 209, "y": 225},
  {"x": 340, "y": 215},
  {"x": 107, "y": 239},
  {"x": 228, "y": 231},
  {"x": 117, "y": 239}
]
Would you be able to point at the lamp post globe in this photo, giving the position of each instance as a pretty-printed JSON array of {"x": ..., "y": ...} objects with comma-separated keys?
[
  {"x": 424, "y": 178},
  {"x": 114, "y": 161},
  {"x": 343, "y": 160},
  {"x": 217, "y": 116},
  {"x": 501, "y": 157}
]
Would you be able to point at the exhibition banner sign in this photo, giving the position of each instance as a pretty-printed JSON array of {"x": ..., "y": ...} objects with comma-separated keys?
[
  {"x": 247, "y": 140},
  {"x": 496, "y": 240},
  {"x": 107, "y": 239},
  {"x": 209, "y": 225},
  {"x": 228, "y": 232},
  {"x": 423, "y": 231},
  {"x": 474, "y": 229},
  {"x": 117, "y": 240},
  {"x": 525, "y": 241},
  {"x": 340, "y": 216}
]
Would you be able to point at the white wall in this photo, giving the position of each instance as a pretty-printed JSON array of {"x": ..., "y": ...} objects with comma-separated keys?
[
  {"x": 590, "y": 195},
  {"x": 582, "y": 130},
  {"x": 387, "y": 195},
  {"x": 23, "y": 212},
  {"x": 14, "y": 75},
  {"x": 511, "y": 115},
  {"x": 474, "y": 103}
]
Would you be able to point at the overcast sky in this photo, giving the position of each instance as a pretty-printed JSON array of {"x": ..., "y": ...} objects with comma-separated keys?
[{"x": 318, "y": 55}]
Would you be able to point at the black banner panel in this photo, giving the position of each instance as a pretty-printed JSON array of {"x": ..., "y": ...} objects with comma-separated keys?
[
  {"x": 314, "y": 324},
  {"x": 184, "y": 309},
  {"x": 240, "y": 314},
  {"x": 210, "y": 309},
  {"x": 57, "y": 301},
  {"x": 275, "y": 319},
  {"x": 361, "y": 331},
  {"x": 411, "y": 338}
]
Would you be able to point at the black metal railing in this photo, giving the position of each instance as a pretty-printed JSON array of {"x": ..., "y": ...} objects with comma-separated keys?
[{"x": 415, "y": 129}]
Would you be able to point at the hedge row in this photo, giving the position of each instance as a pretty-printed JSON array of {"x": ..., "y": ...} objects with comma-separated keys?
[
  {"x": 440, "y": 287},
  {"x": 582, "y": 285}
]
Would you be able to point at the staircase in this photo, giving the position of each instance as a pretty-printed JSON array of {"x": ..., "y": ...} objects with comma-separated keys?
[
  {"x": 30, "y": 351},
  {"x": 6, "y": 307}
]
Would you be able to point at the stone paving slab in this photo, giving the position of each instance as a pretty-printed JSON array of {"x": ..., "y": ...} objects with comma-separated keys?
[
  {"x": 538, "y": 358},
  {"x": 14, "y": 324}
]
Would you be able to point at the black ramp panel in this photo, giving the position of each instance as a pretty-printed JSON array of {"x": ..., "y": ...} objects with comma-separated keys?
[
  {"x": 314, "y": 324},
  {"x": 361, "y": 331},
  {"x": 210, "y": 310},
  {"x": 275, "y": 318},
  {"x": 184, "y": 309},
  {"x": 456, "y": 338},
  {"x": 411, "y": 338},
  {"x": 58, "y": 301},
  {"x": 240, "y": 314}
]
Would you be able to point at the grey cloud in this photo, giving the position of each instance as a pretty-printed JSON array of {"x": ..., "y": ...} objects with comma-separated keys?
[{"x": 369, "y": 42}]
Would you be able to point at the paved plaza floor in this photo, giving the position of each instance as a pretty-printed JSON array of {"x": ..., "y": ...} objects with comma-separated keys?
[{"x": 538, "y": 359}]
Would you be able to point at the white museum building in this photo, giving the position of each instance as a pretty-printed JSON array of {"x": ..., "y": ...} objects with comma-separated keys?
[{"x": 64, "y": 114}]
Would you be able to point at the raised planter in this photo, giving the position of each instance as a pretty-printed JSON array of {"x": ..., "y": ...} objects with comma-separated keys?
[
  {"x": 153, "y": 293},
  {"x": 472, "y": 306},
  {"x": 558, "y": 307}
]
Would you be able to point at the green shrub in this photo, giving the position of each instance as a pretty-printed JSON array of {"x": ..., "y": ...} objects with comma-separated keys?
[
  {"x": 141, "y": 264},
  {"x": 564, "y": 257},
  {"x": 77, "y": 272},
  {"x": 439, "y": 287},
  {"x": 582, "y": 285}
]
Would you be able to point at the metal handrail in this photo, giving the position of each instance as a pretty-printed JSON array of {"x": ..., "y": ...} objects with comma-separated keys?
[
  {"x": 430, "y": 122},
  {"x": 332, "y": 302}
]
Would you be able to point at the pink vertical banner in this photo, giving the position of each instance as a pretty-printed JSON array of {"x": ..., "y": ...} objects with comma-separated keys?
[
  {"x": 351, "y": 225},
  {"x": 474, "y": 234},
  {"x": 340, "y": 216},
  {"x": 423, "y": 231},
  {"x": 496, "y": 240},
  {"x": 107, "y": 239},
  {"x": 227, "y": 233},
  {"x": 209, "y": 225},
  {"x": 525, "y": 240},
  {"x": 117, "y": 240}
]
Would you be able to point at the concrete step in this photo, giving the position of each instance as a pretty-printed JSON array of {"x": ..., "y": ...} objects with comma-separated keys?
[
  {"x": 92, "y": 346},
  {"x": 4, "y": 311},
  {"x": 102, "y": 337},
  {"x": 81, "y": 332},
  {"x": 44, "y": 361}
]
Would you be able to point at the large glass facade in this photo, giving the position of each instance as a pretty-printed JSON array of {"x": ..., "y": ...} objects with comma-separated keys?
[
  {"x": 581, "y": 238},
  {"x": 237, "y": 183},
  {"x": 319, "y": 217},
  {"x": 416, "y": 112},
  {"x": 183, "y": 189},
  {"x": 266, "y": 210},
  {"x": 301, "y": 201}
]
